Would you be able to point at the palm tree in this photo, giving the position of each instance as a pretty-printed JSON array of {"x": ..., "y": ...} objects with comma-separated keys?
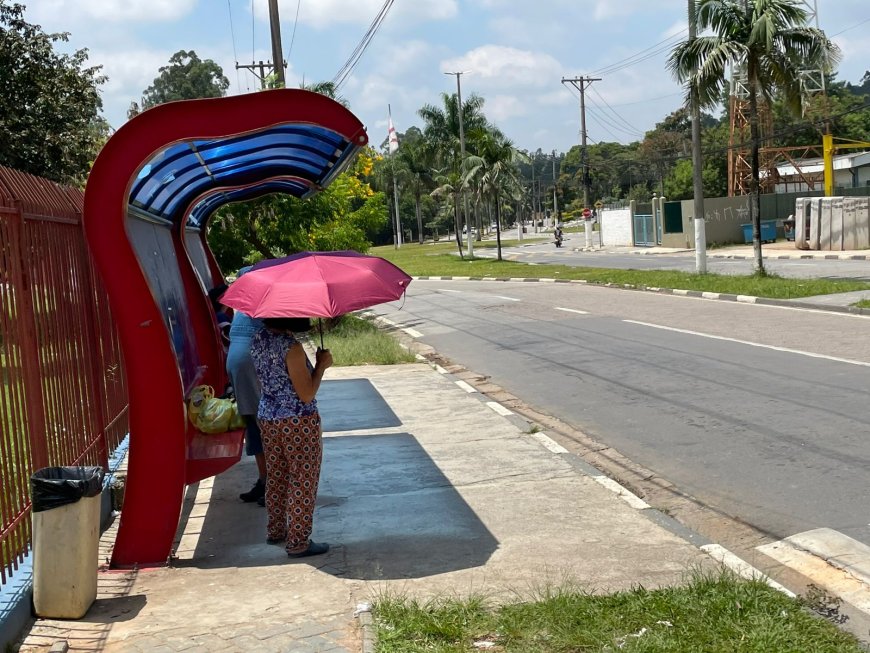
[
  {"x": 770, "y": 38},
  {"x": 494, "y": 172},
  {"x": 415, "y": 172},
  {"x": 449, "y": 186}
]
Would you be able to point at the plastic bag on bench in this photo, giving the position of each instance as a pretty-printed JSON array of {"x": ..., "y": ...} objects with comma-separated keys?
[{"x": 212, "y": 414}]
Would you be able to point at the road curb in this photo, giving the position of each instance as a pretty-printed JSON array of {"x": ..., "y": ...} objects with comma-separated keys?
[{"x": 744, "y": 299}]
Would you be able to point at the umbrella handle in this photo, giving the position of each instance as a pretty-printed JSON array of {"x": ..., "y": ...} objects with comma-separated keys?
[{"x": 320, "y": 328}]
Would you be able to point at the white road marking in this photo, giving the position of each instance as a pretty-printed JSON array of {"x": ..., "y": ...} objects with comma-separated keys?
[
  {"x": 413, "y": 333},
  {"x": 193, "y": 527},
  {"x": 510, "y": 299},
  {"x": 469, "y": 389},
  {"x": 497, "y": 407},
  {"x": 834, "y": 580},
  {"x": 572, "y": 310},
  {"x": 740, "y": 567},
  {"x": 549, "y": 443},
  {"x": 446, "y": 290},
  {"x": 440, "y": 369},
  {"x": 629, "y": 497},
  {"x": 750, "y": 344}
]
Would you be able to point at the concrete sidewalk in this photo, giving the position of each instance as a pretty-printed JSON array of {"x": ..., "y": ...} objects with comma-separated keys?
[{"x": 426, "y": 490}]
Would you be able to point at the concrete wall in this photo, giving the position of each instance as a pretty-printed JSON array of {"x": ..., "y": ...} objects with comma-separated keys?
[
  {"x": 616, "y": 228},
  {"x": 722, "y": 217}
]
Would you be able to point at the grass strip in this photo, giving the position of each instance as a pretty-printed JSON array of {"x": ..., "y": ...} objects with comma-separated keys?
[
  {"x": 715, "y": 613},
  {"x": 355, "y": 341},
  {"x": 864, "y": 303},
  {"x": 438, "y": 260}
]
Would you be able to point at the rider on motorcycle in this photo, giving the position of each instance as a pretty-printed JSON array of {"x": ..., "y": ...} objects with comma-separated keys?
[{"x": 557, "y": 235}]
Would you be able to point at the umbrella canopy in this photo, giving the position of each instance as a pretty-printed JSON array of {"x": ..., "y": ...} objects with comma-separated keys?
[{"x": 316, "y": 284}]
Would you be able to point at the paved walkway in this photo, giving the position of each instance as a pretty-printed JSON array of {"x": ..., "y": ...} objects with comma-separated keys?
[{"x": 426, "y": 490}]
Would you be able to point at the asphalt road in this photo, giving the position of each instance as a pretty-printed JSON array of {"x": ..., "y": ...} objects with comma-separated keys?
[
  {"x": 757, "y": 411},
  {"x": 547, "y": 252}
]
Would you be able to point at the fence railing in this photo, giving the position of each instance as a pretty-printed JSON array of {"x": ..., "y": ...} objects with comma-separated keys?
[{"x": 63, "y": 398}]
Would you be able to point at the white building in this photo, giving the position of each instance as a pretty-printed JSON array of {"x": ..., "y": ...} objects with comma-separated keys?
[{"x": 850, "y": 171}]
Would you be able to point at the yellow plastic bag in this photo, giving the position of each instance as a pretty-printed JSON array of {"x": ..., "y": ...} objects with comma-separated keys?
[{"x": 211, "y": 414}]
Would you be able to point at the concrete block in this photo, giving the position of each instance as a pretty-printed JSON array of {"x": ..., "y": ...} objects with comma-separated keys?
[
  {"x": 862, "y": 222},
  {"x": 815, "y": 223},
  {"x": 850, "y": 224},
  {"x": 825, "y": 223},
  {"x": 837, "y": 224},
  {"x": 801, "y": 220}
]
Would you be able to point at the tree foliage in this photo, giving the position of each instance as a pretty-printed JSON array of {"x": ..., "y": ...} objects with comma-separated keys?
[
  {"x": 186, "y": 77},
  {"x": 50, "y": 122},
  {"x": 345, "y": 215}
]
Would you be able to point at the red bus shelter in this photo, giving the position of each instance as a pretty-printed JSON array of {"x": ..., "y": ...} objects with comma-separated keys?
[{"x": 148, "y": 202}]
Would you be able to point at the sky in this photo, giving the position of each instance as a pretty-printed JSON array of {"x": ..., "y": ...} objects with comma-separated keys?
[{"x": 513, "y": 53}]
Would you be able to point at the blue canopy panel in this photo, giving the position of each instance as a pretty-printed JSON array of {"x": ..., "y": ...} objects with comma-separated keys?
[{"x": 298, "y": 159}]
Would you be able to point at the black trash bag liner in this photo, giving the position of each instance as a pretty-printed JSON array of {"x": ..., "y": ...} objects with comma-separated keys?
[{"x": 53, "y": 487}]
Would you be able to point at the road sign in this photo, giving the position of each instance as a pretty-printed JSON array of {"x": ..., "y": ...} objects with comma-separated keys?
[
  {"x": 587, "y": 213},
  {"x": 599, "y": 204}
]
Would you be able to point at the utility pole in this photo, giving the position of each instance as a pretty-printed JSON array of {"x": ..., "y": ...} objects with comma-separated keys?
[
  {"x": 555, "y": 198},
  {"x": 462, "y": 160},
  {"x": 277, "y": 50},
  {"x": 277, "y": 53},
  {"x": 581, "y": 84},
  {"x": 697, "y": 159}
]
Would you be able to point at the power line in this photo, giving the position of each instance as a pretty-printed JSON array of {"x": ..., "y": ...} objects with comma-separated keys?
[
  {"x": 235, "y": 54},
  {"x": 863, "y": 22},
  {"x": 615, "y": 113},
  {"x": 642, "y": 55},
  {"x": 295, "y": 23},
  {"x": 346, "y": 70}
]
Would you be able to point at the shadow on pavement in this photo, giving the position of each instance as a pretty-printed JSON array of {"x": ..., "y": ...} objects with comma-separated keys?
[{"x": 384, "y": 505}]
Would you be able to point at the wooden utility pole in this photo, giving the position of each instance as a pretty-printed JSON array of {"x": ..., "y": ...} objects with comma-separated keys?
[
  {"x": 277, "y": 64},
  {"x": 581, "y": 84}
]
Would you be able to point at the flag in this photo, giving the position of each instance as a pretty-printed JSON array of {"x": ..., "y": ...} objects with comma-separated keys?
[{"x": 393, "y": 138}]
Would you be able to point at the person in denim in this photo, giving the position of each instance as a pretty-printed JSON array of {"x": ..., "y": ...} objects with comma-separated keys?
[
  {"x": 291, "y": 431},
  {"x": 240, "y": 368}
]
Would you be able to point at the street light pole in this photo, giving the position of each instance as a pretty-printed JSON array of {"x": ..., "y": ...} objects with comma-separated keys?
[
  {"x": 277, "y": 49},
  {"x": 462, "y": 160},
  {"x": 697, "y": 159},
  {"x": 555, "y": 198}
]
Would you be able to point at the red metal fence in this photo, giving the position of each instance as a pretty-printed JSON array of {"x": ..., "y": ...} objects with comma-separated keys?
[{"x": 63, "y": 397}]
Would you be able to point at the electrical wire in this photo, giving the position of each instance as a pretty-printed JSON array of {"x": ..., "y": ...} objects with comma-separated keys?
[
  {"x": 863, "y": 22},
  {"x": 613, "y": 111},
  {"x": 348, "y": 67},
  {"x": 293, "y": 37},
  {"x": 643, "y": 55},
  {"x": 235, "y": 54}
]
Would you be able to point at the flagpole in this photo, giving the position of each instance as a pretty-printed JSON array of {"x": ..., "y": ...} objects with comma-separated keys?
[{"x": 392, "y": 135}]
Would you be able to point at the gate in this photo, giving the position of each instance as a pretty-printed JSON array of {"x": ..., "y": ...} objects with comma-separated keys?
[
  {"x": 63, "y": 398},
  {"x": 644, "y": 224}
]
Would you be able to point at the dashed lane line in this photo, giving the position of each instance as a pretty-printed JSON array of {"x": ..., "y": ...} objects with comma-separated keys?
[
  {"x": 572, "y": 310},
  {"x": 749, "y": 343}
]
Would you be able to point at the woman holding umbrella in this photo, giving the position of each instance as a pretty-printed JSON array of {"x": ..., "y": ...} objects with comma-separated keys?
[{"x": 291, "y": 431}]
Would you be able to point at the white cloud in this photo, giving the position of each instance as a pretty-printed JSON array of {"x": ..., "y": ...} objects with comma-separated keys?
[
  {"x": 324, "y": 13},
  {"x": 504, "y": 107},
  {"x": 114, "y": 11},
  {"x": 499, "y": 66}
]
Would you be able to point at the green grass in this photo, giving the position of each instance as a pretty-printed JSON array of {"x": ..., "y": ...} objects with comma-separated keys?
[
  {"x": 355, "y": 341},
  {"x": 711, "y": 613},
  {"x": 436, "y": 260},
  {"x": 864, "y": 303}
]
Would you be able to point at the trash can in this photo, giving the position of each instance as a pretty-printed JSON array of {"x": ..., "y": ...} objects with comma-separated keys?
[{"x": 66, "y": 538}]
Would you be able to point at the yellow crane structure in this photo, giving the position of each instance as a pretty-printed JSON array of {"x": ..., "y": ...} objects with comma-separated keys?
[{"x": 829, "y": 149}]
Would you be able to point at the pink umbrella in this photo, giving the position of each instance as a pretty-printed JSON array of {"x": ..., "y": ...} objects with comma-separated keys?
[{"x": 316, "y": 284}]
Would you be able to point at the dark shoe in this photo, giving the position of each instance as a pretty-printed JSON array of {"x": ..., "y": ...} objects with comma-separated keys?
[
  {"x": 276, "y": 540},
  {"x": 255, "y": 493},
  {"x": 262, "y": 501},
  {"x": 314, "y": 549}
]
